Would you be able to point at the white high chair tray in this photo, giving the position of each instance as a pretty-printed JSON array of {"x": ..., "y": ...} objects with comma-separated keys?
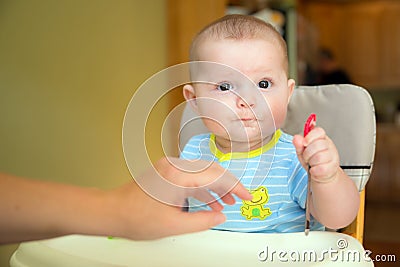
[{"x": 208, "y": 248}]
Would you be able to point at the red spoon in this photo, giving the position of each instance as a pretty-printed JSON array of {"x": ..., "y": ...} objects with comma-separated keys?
[{"x": 308, "y": 126}]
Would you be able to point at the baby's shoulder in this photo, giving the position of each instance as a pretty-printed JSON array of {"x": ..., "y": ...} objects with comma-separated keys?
[
  {"x": 286, "y": 140},
  {"x": 198, "y": 140},
  {"x": 195, "y": 147},
  {"x": 285, "y": 150}
]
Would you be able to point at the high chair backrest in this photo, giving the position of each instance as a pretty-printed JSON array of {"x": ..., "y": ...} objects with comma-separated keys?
[{"x": 346, "y": 112}]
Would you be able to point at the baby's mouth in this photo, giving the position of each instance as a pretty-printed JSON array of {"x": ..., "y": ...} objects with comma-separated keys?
[{"x": 248, "y": 121}]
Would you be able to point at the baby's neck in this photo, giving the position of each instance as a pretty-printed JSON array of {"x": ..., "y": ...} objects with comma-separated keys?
[{"x": 229, "y": 146}]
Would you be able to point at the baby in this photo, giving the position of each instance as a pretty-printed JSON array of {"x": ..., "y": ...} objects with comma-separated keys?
[{"x": 241, "y": 91}]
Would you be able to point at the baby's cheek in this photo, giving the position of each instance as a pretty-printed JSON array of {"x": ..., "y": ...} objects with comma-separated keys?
[
  {"x": 279, "y": 111},
  {"x": 215, "y": 127}
]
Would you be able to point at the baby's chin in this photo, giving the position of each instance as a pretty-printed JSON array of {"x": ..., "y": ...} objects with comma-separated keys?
[
  {"x": 256, "y": 133},
  {"x": 246, "y": 133},
  {"x": 251, "y": 137}
]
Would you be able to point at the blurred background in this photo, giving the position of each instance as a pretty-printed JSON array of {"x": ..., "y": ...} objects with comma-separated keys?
[{"x": 69, "y": 68}]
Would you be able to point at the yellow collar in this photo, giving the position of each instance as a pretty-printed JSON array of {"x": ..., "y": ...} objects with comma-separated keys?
[{"x": 242, "y": 155}]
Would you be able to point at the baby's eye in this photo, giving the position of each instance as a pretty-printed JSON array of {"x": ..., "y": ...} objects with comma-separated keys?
[
  {"x": 264, "y": 84},
  {"x": 225, "y": 86}
]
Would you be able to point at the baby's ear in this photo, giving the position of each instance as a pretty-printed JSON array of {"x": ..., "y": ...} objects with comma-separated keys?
[
  {"x": 190, "y": 95},
  {"x": 291, "y": 85}
]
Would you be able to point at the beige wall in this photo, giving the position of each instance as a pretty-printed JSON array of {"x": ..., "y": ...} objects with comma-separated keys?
[{"x": 68, "y": 69}]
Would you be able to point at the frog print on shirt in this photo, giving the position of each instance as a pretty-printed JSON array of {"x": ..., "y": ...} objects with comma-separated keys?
[{"x": 254, "y": 208}]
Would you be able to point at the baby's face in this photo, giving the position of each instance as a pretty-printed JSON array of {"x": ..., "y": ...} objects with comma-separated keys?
[{"x": 246, "y": 98}]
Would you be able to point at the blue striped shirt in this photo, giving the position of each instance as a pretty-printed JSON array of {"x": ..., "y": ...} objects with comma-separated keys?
[{"x": 276, "y": 168}]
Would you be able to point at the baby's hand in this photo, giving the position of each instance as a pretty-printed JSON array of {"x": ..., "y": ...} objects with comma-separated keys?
[{"x": 318, "y": 151}]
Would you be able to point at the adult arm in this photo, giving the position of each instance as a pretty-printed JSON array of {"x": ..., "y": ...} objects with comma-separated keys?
[{"x": 32, "y": 209}]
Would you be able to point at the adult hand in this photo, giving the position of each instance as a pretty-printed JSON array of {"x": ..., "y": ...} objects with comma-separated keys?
[
  {"x": 173, "y": 180},
  {"x": 149, "y": 217}
]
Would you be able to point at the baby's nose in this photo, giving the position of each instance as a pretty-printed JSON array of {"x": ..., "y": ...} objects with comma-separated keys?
[
  {"x": 246, "y": 98},
  {"x": 242, "y": 103}
]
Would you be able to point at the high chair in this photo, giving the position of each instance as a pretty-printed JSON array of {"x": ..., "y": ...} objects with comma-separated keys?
[{"x": 346, "y": 113}]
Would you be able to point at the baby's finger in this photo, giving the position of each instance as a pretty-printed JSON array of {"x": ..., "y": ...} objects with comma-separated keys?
[
  {"x": 314, "y": 148},
  {"x": 314, "y": 134},
  {"x": 298, "y": 142},
  {"x": 322, "y": 157},
  {"x": 323, "y": 172}
]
